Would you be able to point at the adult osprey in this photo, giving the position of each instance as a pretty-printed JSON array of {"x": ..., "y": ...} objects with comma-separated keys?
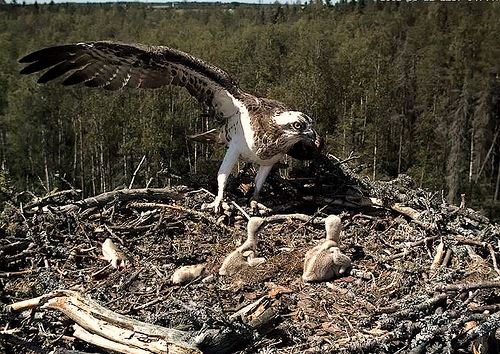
[{"x": 258, "y": 129}]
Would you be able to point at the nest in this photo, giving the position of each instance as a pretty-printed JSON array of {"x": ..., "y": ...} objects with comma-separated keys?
[{"x": 424, "y": 279}]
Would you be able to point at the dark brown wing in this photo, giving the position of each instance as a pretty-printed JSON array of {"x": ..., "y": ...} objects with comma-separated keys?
[{"x": 113, "y": 66}]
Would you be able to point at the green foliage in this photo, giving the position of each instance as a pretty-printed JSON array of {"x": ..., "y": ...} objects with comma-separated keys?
[{"x": 410, "y": 87}]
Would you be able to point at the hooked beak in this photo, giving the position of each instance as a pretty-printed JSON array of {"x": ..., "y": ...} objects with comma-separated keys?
[
  {"x": 315, "y": 139},
  {"x": 307, "y": 148}
]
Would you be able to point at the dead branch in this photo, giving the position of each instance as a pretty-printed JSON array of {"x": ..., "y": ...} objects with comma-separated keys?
[
  {"x": 468, "y": 286},
  {"x": 296, "y": 216},
  {"x": 135, "y": 172},
  {"x": 51, "y": 197},
  {"x": 493, "y": 258},
  {"x": 408, "y": 248},
  {"x": 438, "y": 257},
  {"x": 425, "y": 305},
  {"x": 110, "y": 330},
  {"x": 484, "y": 329},
  {"x": 122, "y": 195},
  {"x": 199, "y": 214}
]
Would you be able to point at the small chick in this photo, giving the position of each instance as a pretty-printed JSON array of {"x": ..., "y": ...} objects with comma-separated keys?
[
  {"x": 244, "y": 256},
  {"x": 111, "y": 253},
  {"x": 186, "y": 274},
  {"x": 326, "y": 261}
]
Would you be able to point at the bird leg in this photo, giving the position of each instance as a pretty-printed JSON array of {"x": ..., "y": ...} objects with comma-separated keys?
[
  {"x": 225, "y": 169},
  {"x": 260, "y": 178}
]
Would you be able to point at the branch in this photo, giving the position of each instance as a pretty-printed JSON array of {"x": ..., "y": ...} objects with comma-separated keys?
[
  {"x": 135, "y": 172},
  {"x": 122, "y": 195},
  {"x": 109, "y": 330},
  {"x": 197, "y": 213},
  {"x": 468, "y": 286}
]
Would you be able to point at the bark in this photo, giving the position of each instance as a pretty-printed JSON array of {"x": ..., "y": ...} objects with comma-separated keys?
[{"x": 110, "y": 330}]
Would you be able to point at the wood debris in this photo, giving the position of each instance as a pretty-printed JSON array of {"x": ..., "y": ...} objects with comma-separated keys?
[{"x": 394, "y": 299}]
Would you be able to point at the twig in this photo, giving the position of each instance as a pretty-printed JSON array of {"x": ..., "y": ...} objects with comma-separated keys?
[
  {"x": 447, "y": 257},
  {"x": 199, "y": 191},
  {"x": 135, "y": 172},
  {"x": 13, "y": 274},
  {"x": 101, "y": 270},
  {"x": 468, "y": 286},
  {"x": 245, "y": 214},
  {"x": 122, "y": 195},
  {"x": 48, "y": 198},
  {"x": 467, "y": 241},
  {"x": 408, "y": 248},
  {"x": 350, "y": 158},
  {"x": 311, "y": 218},
  {"x": 493, "y": 258},
  {"x": 296, "y": 216},
  {"x": 140, "y": 205},
  {"x": 438, "y": 257},
  {"x": 425, "y": 305}
]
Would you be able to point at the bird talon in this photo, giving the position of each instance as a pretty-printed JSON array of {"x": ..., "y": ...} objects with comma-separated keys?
[{"x": 216, "y": 205}]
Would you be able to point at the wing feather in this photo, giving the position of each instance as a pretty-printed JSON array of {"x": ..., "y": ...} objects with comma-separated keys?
[{"x": 114, "y": 66}]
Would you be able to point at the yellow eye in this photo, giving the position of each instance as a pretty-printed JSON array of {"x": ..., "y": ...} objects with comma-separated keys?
[{"x": 297, "y": 125}]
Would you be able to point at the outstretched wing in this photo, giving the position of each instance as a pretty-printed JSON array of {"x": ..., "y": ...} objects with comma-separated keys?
[{"x": 114, "y": 66}]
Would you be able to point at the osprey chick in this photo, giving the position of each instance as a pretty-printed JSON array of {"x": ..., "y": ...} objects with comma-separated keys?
[{"x": 259, "y": 130}]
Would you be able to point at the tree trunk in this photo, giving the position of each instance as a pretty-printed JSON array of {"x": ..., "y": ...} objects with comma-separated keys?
[
  {"x": 375, "y": 158},
  {"x": 497, "y": 185},
  {"x": 82, "y": 164},
  {"x": 471, "y": 157},
  {"x": 400, "y": 152}
]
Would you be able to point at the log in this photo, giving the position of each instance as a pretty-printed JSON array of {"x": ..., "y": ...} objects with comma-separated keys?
[{"x": 106, "y": 329}]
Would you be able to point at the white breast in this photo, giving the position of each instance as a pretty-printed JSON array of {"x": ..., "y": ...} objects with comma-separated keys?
[{"x": 239, "y": 132}]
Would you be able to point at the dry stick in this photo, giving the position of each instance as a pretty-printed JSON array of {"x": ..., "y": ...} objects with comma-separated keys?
[
  {"x": 140, "y": 205},
  {"x": 302, "y": 217},
  {"x": 122, "y": 195},
  {"x": 135, "y": 172},
  {"x": 115, "y": 327},
  {"x": 48, "y": 198},
  {"x": 468, "y": 286},
  {"x": 404, "y": 210},
  {"x": 101, "y": 342},
  {"x": 409, "y": 248},
  {"x": 13, "y": 274},
  {"x": 490, "y": 308},
  {"x": 493, "y": 258},
  {"x": 438, "y": 257},
  {"x": 420, "y": 307},
  {"x": 485, "y": 328},
  {"x": 350, "y": 158},
  {"x": 245, "y": 214},
  {"x": 447, "y": 258},
  {"x": 311, "y": 218},
  {"x": 467, "y": 241},
  {"x": 127, "y": 335}
]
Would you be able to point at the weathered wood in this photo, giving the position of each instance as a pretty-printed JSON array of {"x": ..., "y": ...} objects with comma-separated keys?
[
  {"x": 104, "y": 328},
  {"x": 122, "y": 195}
]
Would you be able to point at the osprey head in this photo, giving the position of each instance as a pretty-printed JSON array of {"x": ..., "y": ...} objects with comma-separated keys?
[{"x": 302, "y": 140}]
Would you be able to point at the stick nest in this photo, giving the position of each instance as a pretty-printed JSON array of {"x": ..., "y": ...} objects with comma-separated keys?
[{"x": 425, "y": 276}]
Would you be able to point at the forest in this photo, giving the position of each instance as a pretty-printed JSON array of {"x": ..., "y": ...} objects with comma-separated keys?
[{"x": 407, "y": 88}]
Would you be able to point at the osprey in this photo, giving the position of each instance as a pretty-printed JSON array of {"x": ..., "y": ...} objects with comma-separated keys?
[{"x": 259, "y": 130}]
